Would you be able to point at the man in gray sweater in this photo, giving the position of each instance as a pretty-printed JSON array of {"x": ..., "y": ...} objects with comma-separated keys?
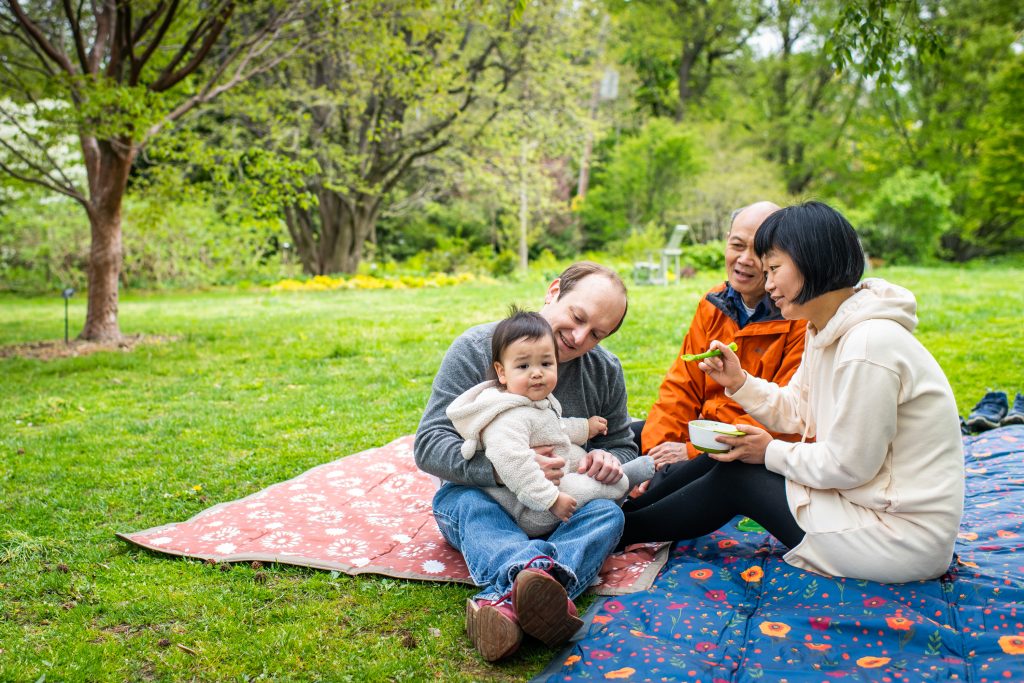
[{"x": 527, "y": 584}]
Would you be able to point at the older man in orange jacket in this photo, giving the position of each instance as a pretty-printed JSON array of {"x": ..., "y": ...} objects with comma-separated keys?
[{"x": 738, "y": 310}]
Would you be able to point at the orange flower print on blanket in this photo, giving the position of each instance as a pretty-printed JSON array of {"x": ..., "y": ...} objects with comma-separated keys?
[
  {"x": 701, "y": 574},
  {"x": 776, "y": 629},
  {"x": 1012, "y": 645},
  {"x": 899, "y": 623},
  {"x": 624, "y": 672},
  {"x": 752, "y": 575},
  {"x": 872, "y": 662}
]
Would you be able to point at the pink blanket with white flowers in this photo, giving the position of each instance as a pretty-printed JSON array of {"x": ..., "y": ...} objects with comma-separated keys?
[{"x": 365, "y": 513}]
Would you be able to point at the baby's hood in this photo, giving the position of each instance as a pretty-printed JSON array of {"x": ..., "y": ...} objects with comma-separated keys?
[{"x": 476, "y": 408}]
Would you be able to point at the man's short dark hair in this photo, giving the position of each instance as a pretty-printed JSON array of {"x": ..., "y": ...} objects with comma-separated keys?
[
  {"x": 571, "y": 276},
  {"x": 821, "y": 242},
  {"x": 519, "y": 324}
]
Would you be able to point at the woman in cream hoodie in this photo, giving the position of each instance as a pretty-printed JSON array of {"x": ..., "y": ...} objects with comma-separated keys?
[{"x": 879, "y": 494}]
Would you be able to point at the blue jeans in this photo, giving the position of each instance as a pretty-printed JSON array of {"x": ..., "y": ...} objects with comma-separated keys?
[{"x": 496, "y": 549}]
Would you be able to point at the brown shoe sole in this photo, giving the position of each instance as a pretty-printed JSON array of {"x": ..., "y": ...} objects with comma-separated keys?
[
  {"x": 494, "y": 635},
  {"x": 542, "y": 607}
]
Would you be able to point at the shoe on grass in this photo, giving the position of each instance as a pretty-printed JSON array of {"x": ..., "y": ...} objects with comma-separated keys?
[
  {"x": 493, "y": 628},
  {"x": 543, "y": 607},
  {"x": 989, "y": 411},
  {"x": 1016, "y": 414}
]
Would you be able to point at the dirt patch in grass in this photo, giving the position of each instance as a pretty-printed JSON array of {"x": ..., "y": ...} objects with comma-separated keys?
[{"x": 52, "y": 349}]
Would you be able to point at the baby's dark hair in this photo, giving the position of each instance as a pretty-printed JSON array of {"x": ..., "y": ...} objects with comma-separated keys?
[{"x": 518, "y": 325}]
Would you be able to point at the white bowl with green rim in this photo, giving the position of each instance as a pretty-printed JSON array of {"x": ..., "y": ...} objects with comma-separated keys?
[{"x": 703, "y": 433}]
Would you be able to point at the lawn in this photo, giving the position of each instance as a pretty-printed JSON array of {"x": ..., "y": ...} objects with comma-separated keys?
[{"x": 257, "y": 387}]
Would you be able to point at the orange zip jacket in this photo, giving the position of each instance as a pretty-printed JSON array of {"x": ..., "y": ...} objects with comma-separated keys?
[{"x": 770, "y": 348}]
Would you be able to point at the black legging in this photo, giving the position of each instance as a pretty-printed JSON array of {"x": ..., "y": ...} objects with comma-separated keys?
[{"x": 701, "y": 495}]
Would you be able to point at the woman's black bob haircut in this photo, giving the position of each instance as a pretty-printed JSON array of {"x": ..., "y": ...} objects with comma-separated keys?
[
  {"x": 518, "y": 325},
  {"x": 823, "y": 245}
]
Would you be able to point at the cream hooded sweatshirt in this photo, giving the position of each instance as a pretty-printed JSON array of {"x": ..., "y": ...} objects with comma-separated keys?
[{"x": 881, "y": 491}]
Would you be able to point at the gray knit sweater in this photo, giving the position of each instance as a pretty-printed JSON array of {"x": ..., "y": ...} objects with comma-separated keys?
[{"x": 589, "y": 385}]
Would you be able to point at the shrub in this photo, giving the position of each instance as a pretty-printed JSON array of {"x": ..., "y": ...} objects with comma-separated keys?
[
  {"x": 906, "y": 216},
  {"x": 707, "y": 257},
  {"x": 44, "y": 244}
]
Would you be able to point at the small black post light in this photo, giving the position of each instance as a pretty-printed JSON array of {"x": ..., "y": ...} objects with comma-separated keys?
[{"x": 67, "y": 294}]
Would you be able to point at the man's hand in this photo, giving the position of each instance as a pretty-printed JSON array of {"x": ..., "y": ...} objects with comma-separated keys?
[
  {"x": 602, "y": 466},
  {"x": 667, "y": 453},
  {"x": 749, "y": 448},
  {"x": 551, "y": 465}
]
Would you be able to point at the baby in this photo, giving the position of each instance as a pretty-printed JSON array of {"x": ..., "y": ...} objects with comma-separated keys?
[{"x": 513, "y": 415}]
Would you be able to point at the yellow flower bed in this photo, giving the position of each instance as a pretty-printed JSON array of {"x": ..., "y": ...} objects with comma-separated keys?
[{"x": 323, "y": 283}]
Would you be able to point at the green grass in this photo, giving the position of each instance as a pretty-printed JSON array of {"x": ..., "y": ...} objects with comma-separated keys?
[{"x": 258, "y": 388}]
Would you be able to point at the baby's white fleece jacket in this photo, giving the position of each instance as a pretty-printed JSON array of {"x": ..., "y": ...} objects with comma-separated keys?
[{"x": 509, "y": 426}]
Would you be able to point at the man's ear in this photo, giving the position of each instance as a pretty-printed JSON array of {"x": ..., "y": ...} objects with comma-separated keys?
[
  {"x": 553, "y": 290},
  {"x": 500, "y": 372}
]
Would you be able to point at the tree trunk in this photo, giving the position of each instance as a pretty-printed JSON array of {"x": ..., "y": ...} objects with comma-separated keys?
[
  {"x": 687, "y": 61},
  {"x": 107, "y": 168},
  {"x": 330, "y": 236},
  {"x": 358, "y": 220}
]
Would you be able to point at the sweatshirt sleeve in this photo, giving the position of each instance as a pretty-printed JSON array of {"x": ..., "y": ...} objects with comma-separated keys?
[
  {"x": 780, "y": 409},
  {"x": 576, "y": 428},
  {"x": 437, "y": 445},
  {"x": 507, "y": 446},
  {"x": 863, "y": 426}
]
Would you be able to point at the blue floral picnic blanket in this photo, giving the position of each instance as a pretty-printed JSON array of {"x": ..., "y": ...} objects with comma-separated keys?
[{"x": 727, "y": 609}]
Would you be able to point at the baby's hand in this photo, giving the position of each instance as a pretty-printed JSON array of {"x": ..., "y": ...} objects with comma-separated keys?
[
  {"x": 596, "y": 425},
  {"x": 563, "y": 507}
]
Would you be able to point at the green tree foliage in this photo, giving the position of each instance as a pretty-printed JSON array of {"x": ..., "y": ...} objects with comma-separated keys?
[
  {"x": 112, "y": 75},
  {"x": 173, "y": 236},
  {"x": 876, "y": 37},
  {"x": 678, "y": 48},
  {"x": 808, "y": 104},
  {"x": 735, "y": 174},
  {"x": 396, "y": 82},
  {"x": 998, "y": 189},
  {"x": 510, "y": 185},
  {"x": 643, "y": 181},
  {"x": 941, "y": 115},
  {"x": 906, "y": 217}
]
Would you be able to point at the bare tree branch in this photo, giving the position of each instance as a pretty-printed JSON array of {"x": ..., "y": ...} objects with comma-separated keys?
[
  {"x": 42, "y": 175},
  {"x": 211, "y": 90},
  {"x": 212, "y": 28},
  {"x": 149, "y": 21},
  {"x": 103, "y": 30},
  {"x": 35, "y": 142},
  {"x": 158, "y": 38},
  {"x": 76, "y": 33},
  {"x": 40, "y": 40},
  {"x": 42, "y": 183}
]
